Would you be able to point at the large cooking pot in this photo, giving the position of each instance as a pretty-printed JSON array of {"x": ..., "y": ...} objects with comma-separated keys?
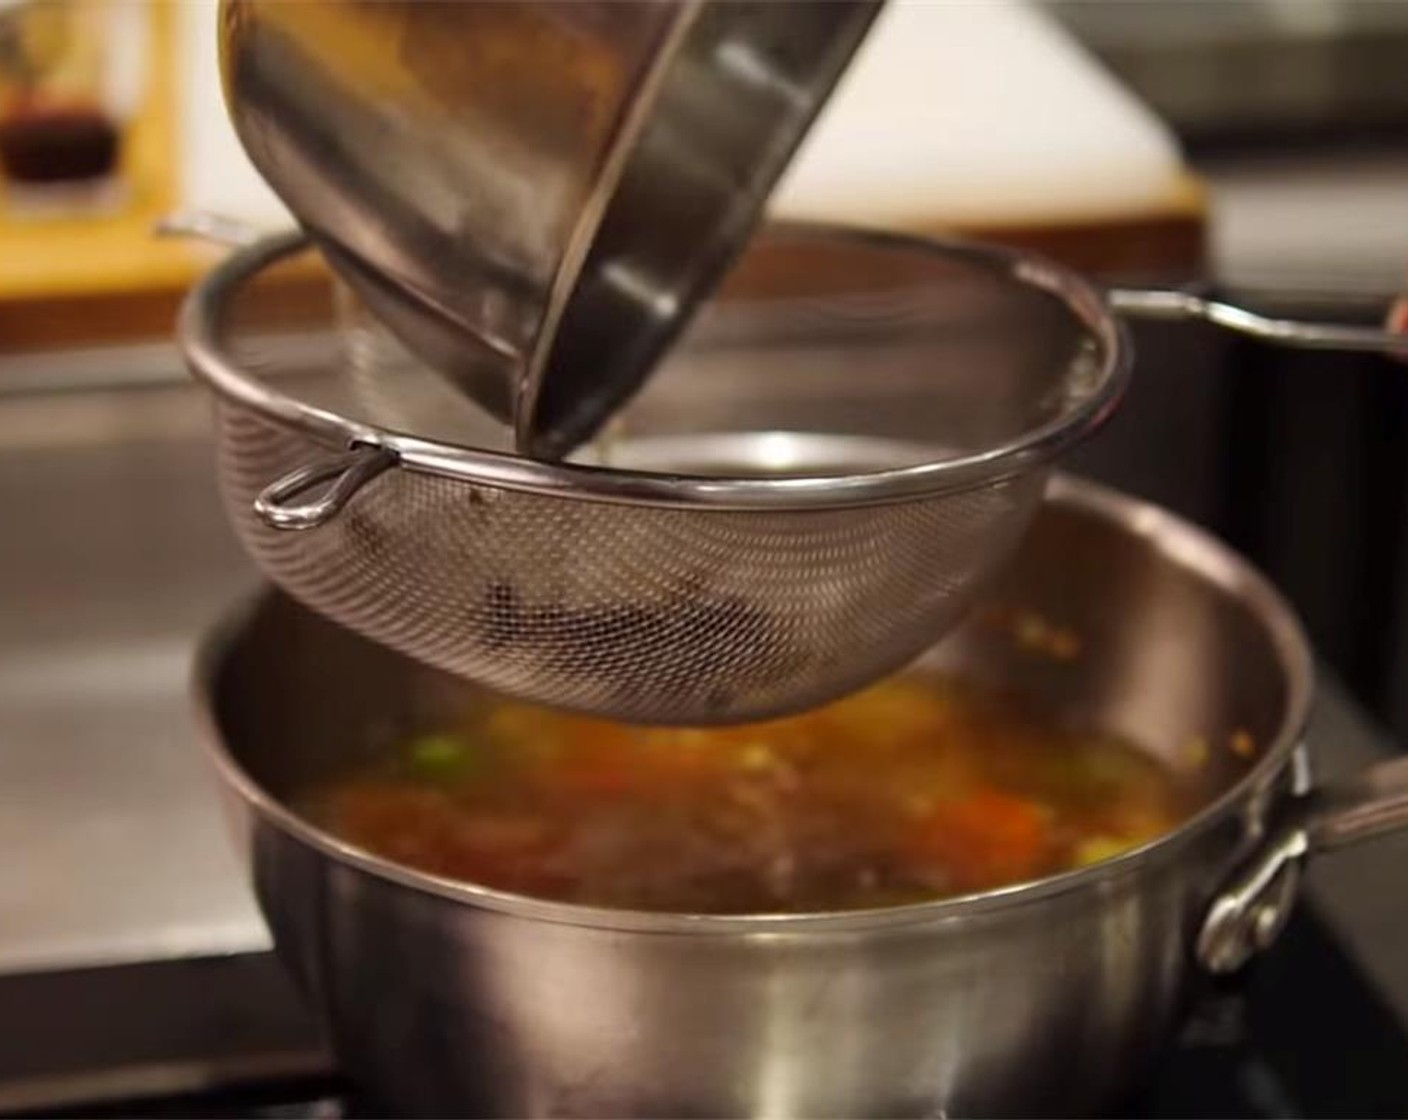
[{"x": 1048, "y": 998}]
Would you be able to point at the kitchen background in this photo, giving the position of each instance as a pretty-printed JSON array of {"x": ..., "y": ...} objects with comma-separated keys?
[{"x": 1256, "y": 146}]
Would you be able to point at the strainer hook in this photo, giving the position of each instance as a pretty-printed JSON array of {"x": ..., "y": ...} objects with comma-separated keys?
[{"x": 341, "y": 476}]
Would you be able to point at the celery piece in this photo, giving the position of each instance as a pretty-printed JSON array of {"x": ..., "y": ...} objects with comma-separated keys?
[{"x": 440, "y": 759}]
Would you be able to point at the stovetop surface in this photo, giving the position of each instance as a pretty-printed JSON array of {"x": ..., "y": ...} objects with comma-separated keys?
[{"x": 1301, "y": 1033}]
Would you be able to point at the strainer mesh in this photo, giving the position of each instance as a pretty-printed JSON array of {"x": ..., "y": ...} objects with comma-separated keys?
[
  {"x": 678, "y": 613},
  {"x": 653, "y": 614}
]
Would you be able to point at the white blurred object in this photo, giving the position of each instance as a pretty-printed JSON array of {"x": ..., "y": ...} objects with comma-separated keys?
[
  {"x": 128, "y": 47},
  {"x": 216, "y": 174},
  {"x": 966, "y": 112},
  {"x": 980, "y": 113}
]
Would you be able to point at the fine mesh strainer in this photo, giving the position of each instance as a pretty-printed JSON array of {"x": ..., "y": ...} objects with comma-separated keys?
[{"x": 806, "y": 495}]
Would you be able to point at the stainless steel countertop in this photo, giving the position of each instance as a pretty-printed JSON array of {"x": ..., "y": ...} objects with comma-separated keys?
[{"x": 114, "y": 557}]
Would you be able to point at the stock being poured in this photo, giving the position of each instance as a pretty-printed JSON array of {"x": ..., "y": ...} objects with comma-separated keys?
[{"x": 918, "y": 788}]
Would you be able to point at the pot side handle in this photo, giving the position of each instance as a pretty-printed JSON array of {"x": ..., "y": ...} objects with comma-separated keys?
[
  {"x": 1369, "y": 803},
  {"x": 1254, "y": 904}
]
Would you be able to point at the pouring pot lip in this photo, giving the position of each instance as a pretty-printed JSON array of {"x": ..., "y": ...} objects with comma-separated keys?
[{"x": 1184, "y": 543}]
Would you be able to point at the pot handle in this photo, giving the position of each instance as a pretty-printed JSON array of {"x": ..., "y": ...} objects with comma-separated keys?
[
  {"x": 1141, "y": 303},
  {"x": 1254, "y": 904}
]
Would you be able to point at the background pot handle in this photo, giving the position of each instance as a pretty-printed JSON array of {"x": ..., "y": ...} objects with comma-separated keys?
[
  {"x": 1140, "y": 303},
  {"x": 1255, "y": 902},
  {"x": 1364, "y": 805}
]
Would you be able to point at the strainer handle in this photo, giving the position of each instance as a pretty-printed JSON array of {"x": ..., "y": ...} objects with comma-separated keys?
[
  {"x": 1142, "y": 303},
  {"x": 336, "y": 480}
]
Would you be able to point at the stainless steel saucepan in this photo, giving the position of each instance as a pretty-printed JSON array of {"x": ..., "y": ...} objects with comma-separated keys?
[{"x": 1046, "y": 998}]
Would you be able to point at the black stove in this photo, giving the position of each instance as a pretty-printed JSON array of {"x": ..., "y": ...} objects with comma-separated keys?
[{"x": 1301, "y": 1033}]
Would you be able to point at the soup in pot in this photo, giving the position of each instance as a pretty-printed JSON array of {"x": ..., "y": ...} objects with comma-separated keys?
[{"x": 915, "y": 789}]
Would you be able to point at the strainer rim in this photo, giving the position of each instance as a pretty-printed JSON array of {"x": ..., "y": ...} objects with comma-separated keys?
[{"x": 199, "y": 336}]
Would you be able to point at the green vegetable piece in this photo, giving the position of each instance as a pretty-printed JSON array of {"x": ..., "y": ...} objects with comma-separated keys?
[
  {"x": 440, "y": 759},
  {"x": 1097, "y": 849}
]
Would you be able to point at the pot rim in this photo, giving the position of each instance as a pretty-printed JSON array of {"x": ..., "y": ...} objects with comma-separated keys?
[{"x": 1185, "y": 544}]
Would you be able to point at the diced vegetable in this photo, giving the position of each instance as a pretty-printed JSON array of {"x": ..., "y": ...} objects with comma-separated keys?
[
  {"x": 440, "y": 759},
  {"x": 1097, "y": 849},
  {"x": 986, "y": 839},
  {"x": 913, "y": 789}
]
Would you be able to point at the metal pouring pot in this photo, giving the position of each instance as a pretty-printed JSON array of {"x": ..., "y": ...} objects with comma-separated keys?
[
  {"x": 532, "y": 195},
  {"x": 1045, "y": 998}
]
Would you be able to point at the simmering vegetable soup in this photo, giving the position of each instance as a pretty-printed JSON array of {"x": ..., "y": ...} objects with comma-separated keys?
[{"x": 915, "y": 789}]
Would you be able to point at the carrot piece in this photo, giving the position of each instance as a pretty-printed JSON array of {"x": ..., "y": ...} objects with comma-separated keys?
[{"x": 984, "y": 840}]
